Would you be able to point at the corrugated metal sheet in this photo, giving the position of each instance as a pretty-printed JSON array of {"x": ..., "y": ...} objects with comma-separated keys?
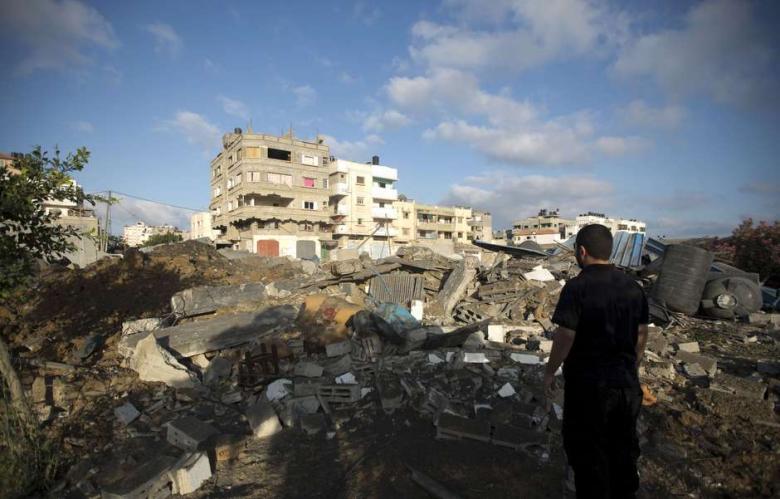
[
  {"x": 627, "y": 249},
  {"x": 398, "y": 287}
]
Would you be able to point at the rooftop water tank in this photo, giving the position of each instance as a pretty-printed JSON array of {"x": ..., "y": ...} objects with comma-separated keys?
[{"x": 682, "y": 278}]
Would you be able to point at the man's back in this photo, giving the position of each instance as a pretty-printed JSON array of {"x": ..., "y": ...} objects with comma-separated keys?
[{"x": 605, "y": 307}]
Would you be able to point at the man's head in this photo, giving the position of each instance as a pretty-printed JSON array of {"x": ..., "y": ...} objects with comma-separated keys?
[{"x": 593, "y": 245}]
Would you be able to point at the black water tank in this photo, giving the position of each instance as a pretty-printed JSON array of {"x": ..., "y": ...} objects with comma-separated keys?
[
  {"x": 374, "y": 160},
  {"x": 730, "y": 297},
  {"x": 682, "y": 278},
  {"x": 237, "y": 131}
]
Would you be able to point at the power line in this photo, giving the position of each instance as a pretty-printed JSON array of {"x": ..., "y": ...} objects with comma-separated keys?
[{"x": 152, "y": 201}]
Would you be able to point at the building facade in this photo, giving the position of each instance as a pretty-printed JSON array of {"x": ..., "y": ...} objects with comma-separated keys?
[
  {"x": 545, "y": 229},
  {"x": 138, "y": 233},
  {"x": 361, "y": 204},
  {"x": 270, "y": 195},
  {"x": 200, "y": 226},
  {"x": 416, "y": 221},
  {"x": 614, "y": 224}
]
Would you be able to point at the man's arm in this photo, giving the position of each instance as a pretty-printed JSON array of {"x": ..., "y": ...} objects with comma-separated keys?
[
  {"x": 641, "y": 342},
  {"x": 563, "y": 339}
]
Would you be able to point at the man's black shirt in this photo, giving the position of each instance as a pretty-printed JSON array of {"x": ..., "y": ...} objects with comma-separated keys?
[{"x": 605, "y": 307}]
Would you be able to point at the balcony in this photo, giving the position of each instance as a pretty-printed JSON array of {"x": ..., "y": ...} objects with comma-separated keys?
[
  {"x": 475, "y": 222},
  {"x": 388, "y": 213},
  {"x": 437, "y": 226},
  {"x": 339, "y": 167},
  {"x": 341, "y": 229},
  {"x": 339, "y": 189},
  {"x": 279, "y": 212},
  {"x": 341, "y": 210},
  {"x": 378, "y": 171},
  {"x": 386, "y": 232},
  {"x": 384, "y": 193}
]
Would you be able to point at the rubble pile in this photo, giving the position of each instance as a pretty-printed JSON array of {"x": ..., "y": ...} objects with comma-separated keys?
[{"x": 177, "y": 398}]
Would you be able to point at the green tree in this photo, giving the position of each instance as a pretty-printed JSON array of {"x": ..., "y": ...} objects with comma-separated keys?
[
  {"x": 27, "y": 232},
  {"x": 27, "y": 459},
  {"x": 168, "y": 237}
]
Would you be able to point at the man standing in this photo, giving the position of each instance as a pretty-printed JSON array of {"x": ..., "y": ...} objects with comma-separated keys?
[{"x": 602, "y": 320}]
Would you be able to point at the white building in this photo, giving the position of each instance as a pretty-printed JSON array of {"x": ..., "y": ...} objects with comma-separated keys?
[
  {"x": 139, "y": 233},
  {"x": 200, "y": 226},
  {"x": 614, "y": 224}
]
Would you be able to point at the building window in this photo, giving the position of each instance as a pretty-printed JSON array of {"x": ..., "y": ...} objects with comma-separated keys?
[
  {"x": 279, "y": 178},
  {"x": 406, "y": 215},
  {"x": 360, "y": 180},
  {"x": 460, "y": 221},
  {"x": 309, "y": 205},
  {"x": 405, "y": 232},
  {"x": 324, "y": 183},
  {"x": 253, "y": 176},
  {"x": 360, "y": 201},
  {"x": 238, "y": 179},
  {"x": 279, "y": 154},
  {"x": 460, "y": 235},
  {"x": 308, "y": 182},
  {"x": 310, "y": 160},
  {"x": 307, "y": 227},
  {"x": 382, "y": 184},
  {"x": 360, "y": 221}
]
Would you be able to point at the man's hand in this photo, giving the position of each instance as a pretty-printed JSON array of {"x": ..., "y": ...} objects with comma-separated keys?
[{"x": 549, "y": 386}]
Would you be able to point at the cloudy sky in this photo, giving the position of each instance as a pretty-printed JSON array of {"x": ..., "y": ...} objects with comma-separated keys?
[{"x": 665, "y": 111}]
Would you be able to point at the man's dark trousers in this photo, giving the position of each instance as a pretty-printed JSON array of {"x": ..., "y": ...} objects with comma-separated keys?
[{"x": 599, "y": 436}]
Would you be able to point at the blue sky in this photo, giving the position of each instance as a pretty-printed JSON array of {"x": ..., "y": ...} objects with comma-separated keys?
[{"x": 668, "y": 112}]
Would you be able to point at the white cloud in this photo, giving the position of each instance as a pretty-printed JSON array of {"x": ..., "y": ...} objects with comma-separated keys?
[
  {"x": 501, "y": 127},
  {"x": 515, "y": 35},
  {"x": 347, "y": 78},
  {"x": 305, "y": 95},
  {"x": 166, "y": 40},
  {"x": 55, "y": 35},
  {"x": 387, "y": 120},
  {"x": 234, "y": 107},
  {"x": 83, "y": 126},
  {"x": 195, "y": 128},
  {"x": 637, "y": 112},
  {"x": 619, "y": 146},
  {"x": 719, "y": 52},
  {"x": 353, "y": 151},
  {"x": 509, "y": 197}
]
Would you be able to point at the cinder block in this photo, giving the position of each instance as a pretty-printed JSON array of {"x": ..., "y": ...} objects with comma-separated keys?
[
  {"x": 709, "y": 364},
  {"x": 190, "y": 472},
  {"x": 339, "y": 393},
  {"x": 263, "y": 420},
  {"x": 126, "y": 413},
  {"x": 189, "y": 433},
  {"x": 308, "y": 370},
  {"x": 150, "y": 479}
]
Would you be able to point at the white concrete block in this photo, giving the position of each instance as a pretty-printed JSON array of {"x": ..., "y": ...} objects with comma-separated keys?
[
  {"x": 496, "y": 332},
  {"x": 126, "y": 413},
  {"x": 506, "y": 391},
  {"x": 190, "y": 472},
  {"x": 527, "y": 359},
  {"x": 263, "y": 420},
  {"x": 692, "y": 347},
  {"x": 417, "y": 309}
]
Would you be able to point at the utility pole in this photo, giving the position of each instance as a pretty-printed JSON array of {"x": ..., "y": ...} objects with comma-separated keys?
[{"x": 107, "y": 223}]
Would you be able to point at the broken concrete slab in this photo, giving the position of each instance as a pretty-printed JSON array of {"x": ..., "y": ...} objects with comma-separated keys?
[
  {"x": 141, "y": 325},
  {"x": 526, "y": 358},
  {"x": 451, "y": 426},
  {"x": 455, "y": 287},
  {"x": 308, "y": 370},
  {"x": 189, "y": 433},
  {"x": 153, "y": 363},
  {"x": 207, "y": 299},
  {"x": 743, "y": 387},
  {"x": 262, "y": 419},
  {"x": 691, "y": 347},
  {"x": 189, "y": 473},
  {"x": 694, "y": 370},
  {"x": 506, "y": 391},
  {"x": 339, "y": 348},
  {"x": 539, "y": 273},
  {"x": 709, "y": 364},
  {"x": 126, "y": 413},
  {"x": 218, "y": 369},
  {"x": 221, "y": 332}
]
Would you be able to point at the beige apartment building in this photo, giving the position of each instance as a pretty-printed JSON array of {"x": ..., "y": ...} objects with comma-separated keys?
[
  {"x": 361, "y": 205},
  {"x": 200, "y": 226},
  {"x": 460, "y": 224},
  {"x": 270, "y": 195},
  {"x": 614, "y": 224},
  {"x": 545, "y": 229}
]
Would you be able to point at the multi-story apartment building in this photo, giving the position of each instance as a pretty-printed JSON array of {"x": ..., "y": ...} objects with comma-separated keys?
[
  {"x": 138, "y": 233},
  {"x": 614, "y": 224},
  {"x": 481, "y": 226},
  {"x": 361, "y": 204},
  {"x": 200, "y": 226},
  {"x": 457, "y": 223},
  {"x": 545, "y": 229},
  {"x": 405, "y": 223},
  {"x": 270, "y": 195}
]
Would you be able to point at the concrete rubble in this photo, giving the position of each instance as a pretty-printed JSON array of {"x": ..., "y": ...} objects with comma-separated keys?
[{"x": 462, "y": 347}]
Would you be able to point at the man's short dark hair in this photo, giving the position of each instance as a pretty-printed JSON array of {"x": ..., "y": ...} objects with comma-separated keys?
[{"x": 597, "y": 240}]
